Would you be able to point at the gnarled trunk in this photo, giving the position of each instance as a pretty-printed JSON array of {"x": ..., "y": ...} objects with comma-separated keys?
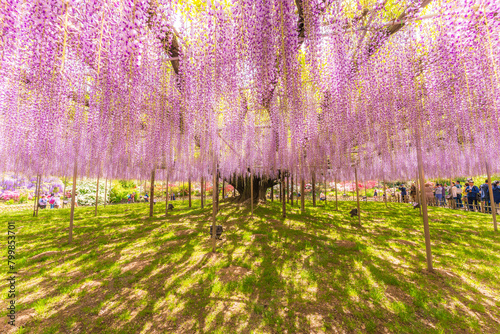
[{"x": 260, "y": 186}]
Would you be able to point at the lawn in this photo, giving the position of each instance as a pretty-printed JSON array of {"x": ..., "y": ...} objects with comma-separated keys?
[{"x": 309, "y": 273}]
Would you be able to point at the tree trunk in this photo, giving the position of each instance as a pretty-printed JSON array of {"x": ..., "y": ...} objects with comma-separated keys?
[
  {"x": 291, "y": 193},
  {"x": 247, "y": 188}
]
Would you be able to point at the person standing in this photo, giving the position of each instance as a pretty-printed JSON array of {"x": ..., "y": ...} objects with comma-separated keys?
[
  {"x": 413, "y": 192},
  {"x": 443, "y": 193},
  {"x": 438, "y": 193},
  {"x": 42, "y": 202},
  {"x": 472, "y": 191},
  {"x": 496, "y": 193},
  {"x": 375, "y": 195},
  {"x": 403, "y": 193},
  {"x": 485, "y": 197},
  {"x": 459, "y": 195},
  {"x": 57, "y": 201},
  {"x": 52, "y": 200},
  {"x": 453, "y": 194}
]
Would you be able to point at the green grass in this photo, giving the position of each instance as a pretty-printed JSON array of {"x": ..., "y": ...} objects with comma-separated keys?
[{"x": 313, "y": 272}]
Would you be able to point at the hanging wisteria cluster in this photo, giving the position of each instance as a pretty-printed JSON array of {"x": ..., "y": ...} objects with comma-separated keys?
[{"x": 122, "y": 87}]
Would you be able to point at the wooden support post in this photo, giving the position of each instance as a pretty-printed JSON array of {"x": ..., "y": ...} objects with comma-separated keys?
[
  {"x": 336, "y": 196},
  {"x": 283, "y": 202},
  {"x": 97, "y": 195},
  {"x": 72, "y": 213},
  {"x": 35, "y": 196},
  {"x": 385, "y": 194},
  {"x": 287, "y": 188},
  {"x": 166, "y": 199},
  {"x": 326, "y": 192},
  {"x": 152, "y": 193},
  {"x": 214, "y": 205},
  {"x": 217, "y": 193},
  {"x": 38, "y": 192},
  {"x": 357, "y": 193},
  {"x": 302, "y": 194},
  {"x": 493, "y": 207},
  {"x": 105, "y": 192},
  {"x": 281, "y": 188},
  {"x": 291, "y": 192},
  {"x": 424, "y": 207},
  {"x": 64, "y": 191},
  {"x": 314, "y": 188},
  {"x": 272, "y": 194},
  {"x": 223, "y": 189},
  {"x": 189, "y": 191},
  {"x": 251, "y": 193},
  {"x": 202, "y": 192}
]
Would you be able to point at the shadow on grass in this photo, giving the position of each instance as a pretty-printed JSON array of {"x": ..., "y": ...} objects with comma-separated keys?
[{"x": 312, "y": 272}]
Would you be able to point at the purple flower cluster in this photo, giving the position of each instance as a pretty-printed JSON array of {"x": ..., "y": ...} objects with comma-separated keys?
[{"x": 305, "y": 86}]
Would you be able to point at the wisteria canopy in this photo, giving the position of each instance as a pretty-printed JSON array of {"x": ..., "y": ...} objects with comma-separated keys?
[{"x": 122, "y": 87}]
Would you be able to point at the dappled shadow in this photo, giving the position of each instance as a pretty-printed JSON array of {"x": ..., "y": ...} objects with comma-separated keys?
[{"x": 310, "y": 273}]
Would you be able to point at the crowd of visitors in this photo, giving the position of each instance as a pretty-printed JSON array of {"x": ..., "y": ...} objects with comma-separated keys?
[
  {"x": 53, "y": 200},
  {"x": 468, "y": 197}
]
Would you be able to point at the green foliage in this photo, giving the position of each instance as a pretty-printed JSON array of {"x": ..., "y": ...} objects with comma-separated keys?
[
  {"x": 118, "y": 192},
  {"x": 127, "y": 184}
]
